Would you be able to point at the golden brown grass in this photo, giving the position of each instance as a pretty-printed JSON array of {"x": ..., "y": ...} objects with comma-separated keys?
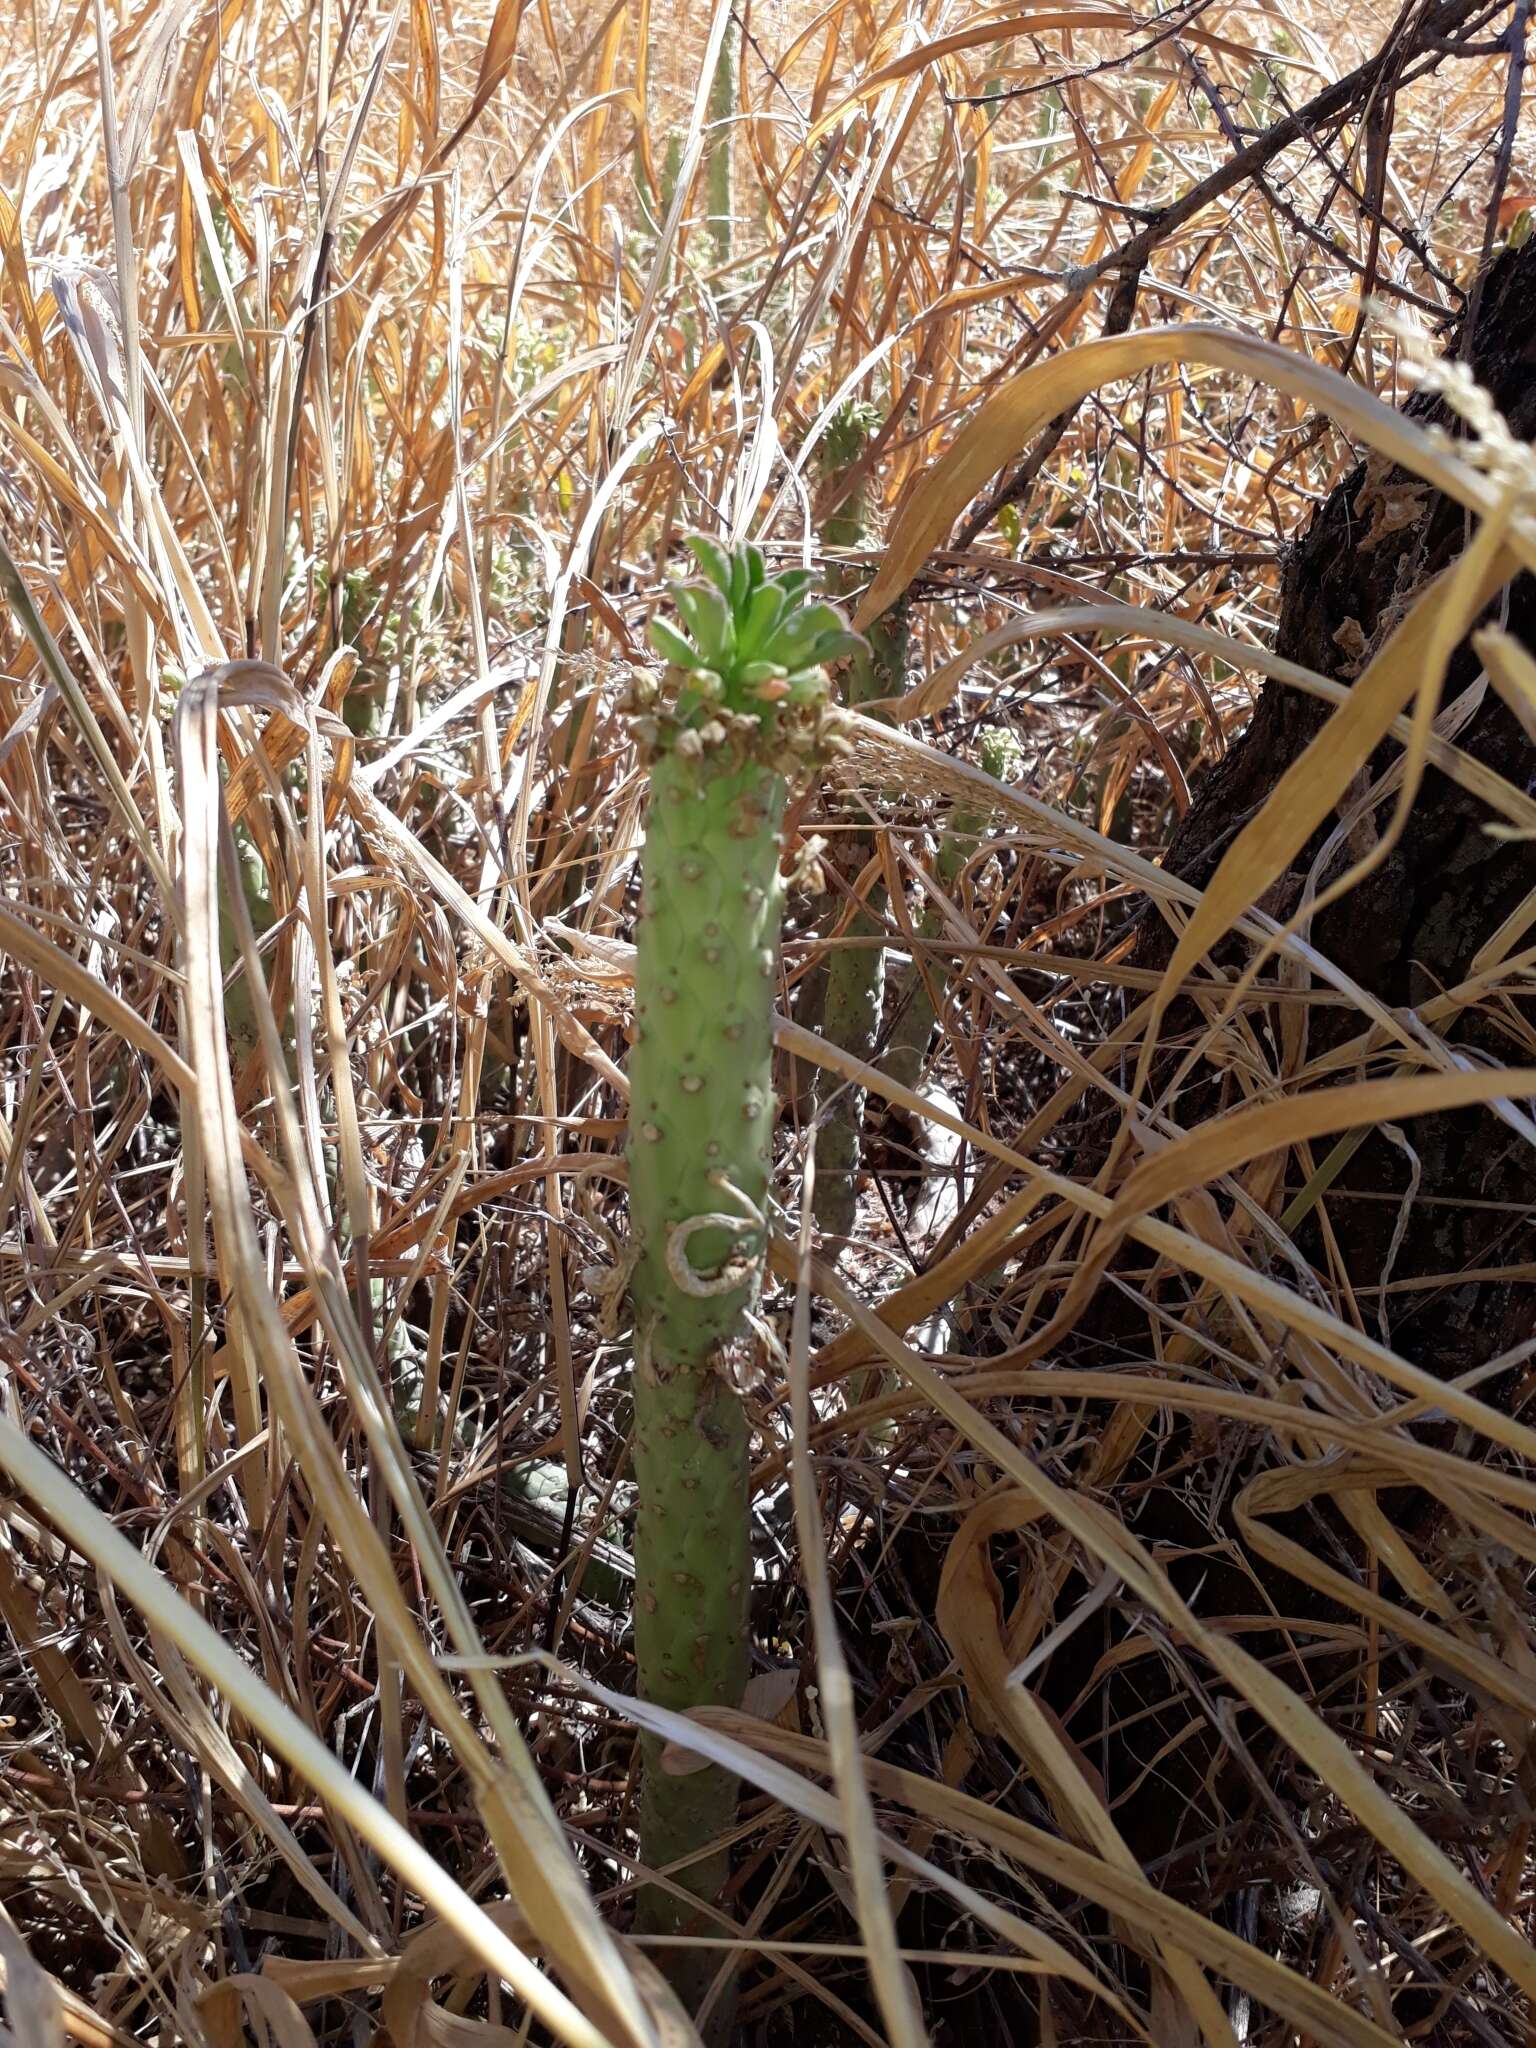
[{"x": 358, "y": 368}]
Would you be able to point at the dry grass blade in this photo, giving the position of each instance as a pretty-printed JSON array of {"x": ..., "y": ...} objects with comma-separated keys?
[
  {"x": 97, "y": 1539},
  {"x": 516, "y": 1810},
  {"x": 1142, "y": 1565},
  {"x": 1004, "y": 424},
  {"x": 753, "y": 1748},
  {"x": 1231, "y": 1275},
  {"x": 1291, "y": 1718},
  {"x": 893, "y": 1986}
]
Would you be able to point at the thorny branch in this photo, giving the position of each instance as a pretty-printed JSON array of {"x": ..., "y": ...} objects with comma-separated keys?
[{"x": 1370, "y": 86}]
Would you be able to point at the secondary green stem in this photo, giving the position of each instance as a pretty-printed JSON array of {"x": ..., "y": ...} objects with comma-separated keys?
[
  {"x": 853, "y": 985},
  {"x": 913, "y": 1009}
]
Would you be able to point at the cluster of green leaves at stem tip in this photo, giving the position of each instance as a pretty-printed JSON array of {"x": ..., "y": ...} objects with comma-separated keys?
[{"x": 753, "y": 662}]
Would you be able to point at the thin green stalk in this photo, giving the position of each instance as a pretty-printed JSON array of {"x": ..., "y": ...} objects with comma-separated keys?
[
  {"x": 853, "y": 984},
  {"x": 239, "y": 997},
  {"x": 744, "y": 710},
  {"x": 914, "y": 1010},
  {"x": 720, "y": 145}
]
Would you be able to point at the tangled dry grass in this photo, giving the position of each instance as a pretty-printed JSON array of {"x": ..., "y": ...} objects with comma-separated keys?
[{"x": 359, "y": 368}]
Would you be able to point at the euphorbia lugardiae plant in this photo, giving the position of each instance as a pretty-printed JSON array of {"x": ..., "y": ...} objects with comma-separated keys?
[{"x": 744, "y": 710}]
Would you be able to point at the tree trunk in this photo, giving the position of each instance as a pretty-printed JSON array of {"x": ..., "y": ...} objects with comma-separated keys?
[{"x": 1415, "y": 925}]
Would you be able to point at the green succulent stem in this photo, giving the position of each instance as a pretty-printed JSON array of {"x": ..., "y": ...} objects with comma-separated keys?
[
  {"x": 742, "y": 708},
  {"x": 701, "y": 1119}
]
